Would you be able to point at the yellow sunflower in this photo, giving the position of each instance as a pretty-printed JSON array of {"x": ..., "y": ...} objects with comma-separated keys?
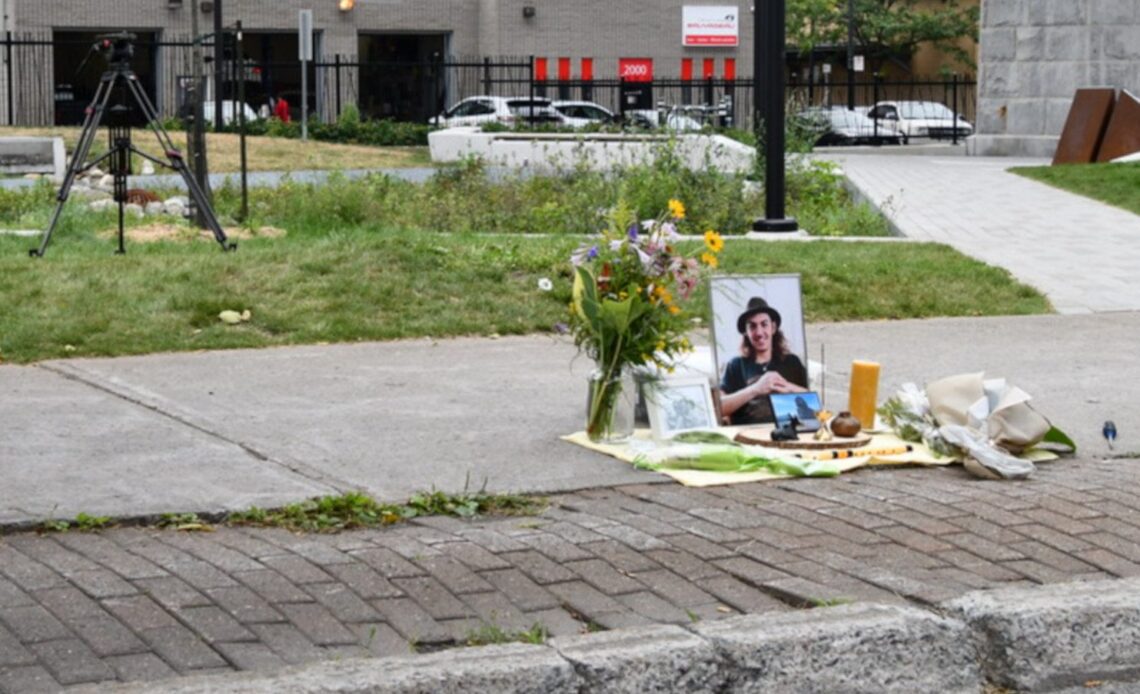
[
  {"x": 714, "y": 241},
  {"x": 677, "y": 209}
]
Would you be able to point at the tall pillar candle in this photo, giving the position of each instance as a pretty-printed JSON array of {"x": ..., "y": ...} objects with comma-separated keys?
[{"x": 864, "y": 391}]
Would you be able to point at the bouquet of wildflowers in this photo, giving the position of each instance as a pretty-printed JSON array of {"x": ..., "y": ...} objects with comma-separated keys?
[{"x": 626, "y": 311}]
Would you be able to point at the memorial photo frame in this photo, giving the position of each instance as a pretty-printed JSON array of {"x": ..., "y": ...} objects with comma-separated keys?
[
  {"x": 733, "y": 299},
  {"x": 677, "y": 405}
]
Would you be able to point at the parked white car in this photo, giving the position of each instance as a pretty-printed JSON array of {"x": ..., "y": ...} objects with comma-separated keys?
[
  {"x": 579, "y": 114},
  {"x": 921, "y": 119},
  {"x": 838, "y": 126},
  {"x": 477, "y": 110}
]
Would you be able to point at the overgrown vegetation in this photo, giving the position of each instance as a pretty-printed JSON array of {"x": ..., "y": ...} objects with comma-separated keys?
[
  {"x": 491, "y": 633},
  {"x": 357, "y": 510},
  {"x": 1115, "y": 184}
]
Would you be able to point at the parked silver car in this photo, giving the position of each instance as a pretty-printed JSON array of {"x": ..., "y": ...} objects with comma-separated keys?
[
  {"x": 579, "y": 114},
  {"x": 507, "y": 110}
]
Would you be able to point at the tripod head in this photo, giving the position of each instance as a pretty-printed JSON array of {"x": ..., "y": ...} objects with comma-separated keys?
[{"x": 117, "y": 47}]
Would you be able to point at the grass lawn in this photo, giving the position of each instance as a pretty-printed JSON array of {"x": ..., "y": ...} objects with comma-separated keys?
[
  {"x": 1115, "y": 184},
  {"x": 360, "y": 284},
  {"x": 223, "y": 151}
]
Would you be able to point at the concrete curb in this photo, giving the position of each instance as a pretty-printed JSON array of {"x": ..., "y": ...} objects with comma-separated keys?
[
  {"x": 1031, "y": 639},
  {"x": 1055, "y": 636}
]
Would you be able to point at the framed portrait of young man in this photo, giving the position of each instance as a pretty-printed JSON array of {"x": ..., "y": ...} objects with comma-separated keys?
[{"x": 759, "y": 343}]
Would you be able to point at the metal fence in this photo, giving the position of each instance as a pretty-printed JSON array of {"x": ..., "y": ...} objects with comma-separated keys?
[{"x": 38, "y": 87}]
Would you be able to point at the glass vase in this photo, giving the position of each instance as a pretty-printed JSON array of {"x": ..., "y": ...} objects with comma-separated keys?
[{"x": 610, "y": 407}]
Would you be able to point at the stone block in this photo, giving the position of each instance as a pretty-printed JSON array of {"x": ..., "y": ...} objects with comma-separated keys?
[
  {"x": 883, "y": 648},
  {"x": 999, "y": 80},
  {"x": 1048, "y": 637},
  {"x": 1112, "y": 12},
  {"x": 992, "y": 116},
  {"x": 1056, "y": 113},
  {"x": 1063, "y": 79},
  {"x": 1030, "y": 43},
  {"x": 998, "y": 44},
  {"x": 1067, "y": 43},
  {"x": 643, "y": 659},
  {"x": 1026, "y": 117},
  {"x": 1066, "y": 12},
  {"x": 1030, "y": 82},
  {"x": 1003, "y": 13},
  {"x": 1122, "y": 43}
]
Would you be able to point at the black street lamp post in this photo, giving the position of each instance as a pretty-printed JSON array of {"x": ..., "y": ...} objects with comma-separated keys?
[
  {"x": 850, "y": 55},
  {"x": 768, "y": 78}
]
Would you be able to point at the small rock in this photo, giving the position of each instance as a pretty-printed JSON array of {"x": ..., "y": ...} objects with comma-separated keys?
[
  {"x": 174, "y": 207},
  {"x": 133, "y": 209},
  {"x": 147, "y": 168},
  {"x": 106, "y": 182},
  {"x": 101, "y": 204},
  {"x": 155, "y": 208}
]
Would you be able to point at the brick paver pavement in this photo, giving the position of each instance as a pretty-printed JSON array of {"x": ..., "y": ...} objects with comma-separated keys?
[{"x": 141, "y": 604}]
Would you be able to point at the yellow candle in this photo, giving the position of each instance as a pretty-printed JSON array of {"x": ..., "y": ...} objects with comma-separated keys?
[{"x": 864, "y": 391}]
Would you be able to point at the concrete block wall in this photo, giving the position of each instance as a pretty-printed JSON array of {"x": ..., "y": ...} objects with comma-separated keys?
[{"x": 1034, "y": 54}]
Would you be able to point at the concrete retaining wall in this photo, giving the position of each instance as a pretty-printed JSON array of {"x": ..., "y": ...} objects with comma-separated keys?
[
  {"x": 600, "y": 152},
  {"x": 1035, "y": 640}
]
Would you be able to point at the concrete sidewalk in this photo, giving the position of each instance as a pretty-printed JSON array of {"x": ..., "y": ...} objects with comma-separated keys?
[
  {"x": 618, "y": 548},
  {"x": 1082, "y": 254}
]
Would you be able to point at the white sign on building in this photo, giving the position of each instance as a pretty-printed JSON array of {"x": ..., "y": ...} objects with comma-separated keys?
[{"x": 710, "y": 25}]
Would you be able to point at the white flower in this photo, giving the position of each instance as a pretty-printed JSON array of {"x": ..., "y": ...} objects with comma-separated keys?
[{"x": 545, "y": 284}]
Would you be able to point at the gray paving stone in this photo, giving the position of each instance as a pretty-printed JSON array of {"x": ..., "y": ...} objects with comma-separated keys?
[
  {"x": 674, "y": 588},
  {"x": 243, "y": 540},
  {"x": 106, "y": 636},
  {"x": 622, "y": 557},
  {"x": 182, "y": 649},
  {"x": 556, "y": 547},
  {"x": 102, "y": 583},
  {"x": 317, "y": 624},
  {"x": 584, "y": 599},
  {"x": 68, "y": 603},
  {"x": 539, "y": 568},
  {"x": 27, "y": 573},
  {"x": 381, "y": 639},
  {"x": 524, "y": 592},
  {"x": 411, "y": 621},
  {"x": 556, "y": 621},
  {"x": 604, "y": 577},
  {"x": 140, "y": 667},
  {"x": 244, "y": 605},
  {"x": 655, "y": 608},
  {"x": 140, "y": 612},
  {"x": 453, "y": 574},
  {"x": 172, "y": 592},
  {"x": 740, "y": 595},
  {"x": 11, "y": 652},
  {"x": 72, "y": 662},
  {"x": 433, "y": 597},
  {"x": 11, "y": 595},
  {"x": 214, "y": 625},
  {"x": 47, "y": 551},
  {"x": 287, "y": 641},
  {"x": 33, "y": 623},
  {"x": 207, "y": 549},
  {"x": 344, "y": 604},
  {"x": 27, "y": 680},
  {"x": 272, "y": 586},
  {"x": 497, "y": 610},
  {"x": 112, "y": 556},
  {"x": 473, "y": 556},
  {"x": 251, "y": 656},
  {"x": 388, "y": 563},
  {"x": 364, "y": 581}
]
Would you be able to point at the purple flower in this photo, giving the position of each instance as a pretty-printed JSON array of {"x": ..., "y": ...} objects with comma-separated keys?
[
  {"x": 632, "y": 233},
  {"x": 592, "y": 253}
]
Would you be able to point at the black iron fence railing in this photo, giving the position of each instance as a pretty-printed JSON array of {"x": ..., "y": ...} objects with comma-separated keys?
[{"x": 39, "y": 85}]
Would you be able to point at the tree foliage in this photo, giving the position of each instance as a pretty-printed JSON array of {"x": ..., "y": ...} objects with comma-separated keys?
[{"x": 884, "y": 28}]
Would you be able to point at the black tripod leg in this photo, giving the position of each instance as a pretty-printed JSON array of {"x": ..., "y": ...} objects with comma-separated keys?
[
  {"x": 78, "y": 159},
  {"x": 178, "y": 164}
]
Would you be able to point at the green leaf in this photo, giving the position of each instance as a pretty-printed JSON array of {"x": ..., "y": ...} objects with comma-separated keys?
[{"x": 1058, "y": 440}]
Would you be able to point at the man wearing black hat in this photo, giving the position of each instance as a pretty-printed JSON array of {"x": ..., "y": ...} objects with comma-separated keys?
[{"x": 764, "y": 367}]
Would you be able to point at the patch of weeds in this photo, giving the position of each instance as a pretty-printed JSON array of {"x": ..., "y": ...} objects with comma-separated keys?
[
  {"x": 829, "y": 602},
  {"x": 183, "y": 521},
  {"x": 491, "y": 633},
  {"x": 358, "y": 510},
  {"x": 693, "y": 616},
  {"x": 55, "y": 525}
]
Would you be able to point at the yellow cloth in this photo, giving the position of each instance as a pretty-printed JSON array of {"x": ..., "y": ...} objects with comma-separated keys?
[{"x": 643, "y": 441}]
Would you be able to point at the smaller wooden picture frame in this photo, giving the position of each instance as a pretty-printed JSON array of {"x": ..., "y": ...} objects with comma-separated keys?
[{"x": 680, "y": 404}]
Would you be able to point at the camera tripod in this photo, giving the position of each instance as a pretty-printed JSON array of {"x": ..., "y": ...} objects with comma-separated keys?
[{"x": 119, "y": 73}]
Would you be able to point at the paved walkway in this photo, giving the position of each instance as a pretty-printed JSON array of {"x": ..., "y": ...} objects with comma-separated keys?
[
  {"x": 1082, "y": 254},
  {"x": 138, "y": 604},
  {"x": 618, "y": 547}
]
